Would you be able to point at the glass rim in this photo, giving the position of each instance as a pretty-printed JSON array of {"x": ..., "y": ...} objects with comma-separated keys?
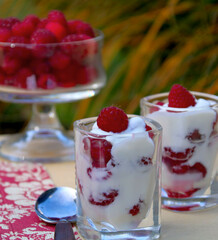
[
  {"x": 98, "y": 38},
  {"x": 78, "y": 123},
  {"x": 147, "y": 101}
]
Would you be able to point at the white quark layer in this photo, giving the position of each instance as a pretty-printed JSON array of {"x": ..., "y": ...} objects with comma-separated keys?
[
  {"x": 135, "y": 183},
  {"x": 176, "y": 127}
]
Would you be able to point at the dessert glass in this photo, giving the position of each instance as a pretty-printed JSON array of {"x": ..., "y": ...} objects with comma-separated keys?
[
  {"x": 27, "y": 74},
  {"x": 189, "y": 151},
  {"x": 120, "y": 198}
]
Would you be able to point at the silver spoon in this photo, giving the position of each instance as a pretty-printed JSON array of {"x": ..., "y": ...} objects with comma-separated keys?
[{"x": 58, "y": 206}]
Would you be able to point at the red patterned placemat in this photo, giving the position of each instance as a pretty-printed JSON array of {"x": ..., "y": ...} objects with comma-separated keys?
[{"x": 20, "y": 185}]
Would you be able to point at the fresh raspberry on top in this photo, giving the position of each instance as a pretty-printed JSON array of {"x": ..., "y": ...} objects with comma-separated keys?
[
  {"x": 80, "y": 27},
  {"x": 112, "y": 119},
  {"x": 180, "y": 97}
]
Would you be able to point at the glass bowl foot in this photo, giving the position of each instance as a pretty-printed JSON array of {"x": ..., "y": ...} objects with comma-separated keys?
[{"x": 39, "y": 146}]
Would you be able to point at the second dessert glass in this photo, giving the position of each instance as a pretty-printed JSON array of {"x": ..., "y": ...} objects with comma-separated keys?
[
  {"x": 118, "y": 182},
  {"x": 190, "y": 151},
  {"x": 41, "y": 75}
]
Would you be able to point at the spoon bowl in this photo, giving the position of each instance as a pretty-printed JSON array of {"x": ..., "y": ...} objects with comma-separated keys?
[{"x": 57, "y": 204}]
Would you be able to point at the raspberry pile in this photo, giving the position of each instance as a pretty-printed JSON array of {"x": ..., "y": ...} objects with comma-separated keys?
[{"x": 46, "y": 53}]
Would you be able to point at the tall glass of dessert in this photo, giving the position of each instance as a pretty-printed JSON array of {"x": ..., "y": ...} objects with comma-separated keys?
[
  {"x": 118, "y": 176},
  {"x": 190, "y": 147}
]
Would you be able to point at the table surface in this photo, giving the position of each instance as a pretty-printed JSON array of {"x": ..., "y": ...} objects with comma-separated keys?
[{"x": 199, "y": 225}]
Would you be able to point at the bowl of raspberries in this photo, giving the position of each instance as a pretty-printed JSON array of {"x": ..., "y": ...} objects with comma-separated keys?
[{"x": 49, "y": 55}]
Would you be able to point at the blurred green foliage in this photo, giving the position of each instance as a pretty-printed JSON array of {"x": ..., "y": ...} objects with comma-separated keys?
[{"x": 149, "y": 45}]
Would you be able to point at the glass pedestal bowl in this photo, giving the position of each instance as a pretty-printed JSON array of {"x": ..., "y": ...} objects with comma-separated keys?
[{"x": 42, "y": 75}]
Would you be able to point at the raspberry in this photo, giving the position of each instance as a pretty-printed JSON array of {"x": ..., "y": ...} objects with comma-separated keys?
[
  {"x": 112, "y": 119},
  {"x": 180, "y": 97},
  {"x": 105, "y": 199},
  {"x": 199, "y": 167},
  {"x": 5, "y": 34},
  {"x": 76, "y": 46},
  {"x": 10, "y": 64},
  {"x": 100, "y": 151},
  {"x": 39, "y": 67},
  {"x": 80, "y": 186},
  {"x": 33, "y": 19},
  {"x": 21, "y": 77},
  {"x": 105, "y": 174},
  {"x": 18, "y": 51},
  {"x": 145, "y": 161},
  {"x": 24, "y": 28},
  {"x": 42, "y": 23},
  {"x": 42, "y": 36},
  {"x": 214, "y": 132},
  {"x": 57, "y": 29},
  {"x": 2, "y": 77},
  {"x": 8, "y": 22},
  {"x": 195, "y": 136},
  {"x": 80, "y": 27},
  {"x": 180, "y": 156},
  {"x": 67, "y": 76},
  {"x": 60, "y": 60},
  {"x": 148, "y": 128},
  {"x": 57, "y": 16},
  {"x": 135, "y": 210},
  {"x": 186, "y": 194},
  {"x": 47, "y": 81},
  {"x": 175, "y": 160},
  {"x": 86, "y": 75},
  {"x": 10, "y": 80},
  {"x": 180, "y": 169},
  {"x": 155, "y": 109}
]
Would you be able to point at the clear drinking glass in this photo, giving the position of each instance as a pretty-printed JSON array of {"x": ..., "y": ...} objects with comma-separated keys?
[
  {"x": 118, "y": 182},
  {"x": 42, "y": 75},
  {"x": 189, "y": 152}
]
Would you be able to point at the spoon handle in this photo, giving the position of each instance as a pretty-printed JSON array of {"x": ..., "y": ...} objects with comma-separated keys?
[{"x": 64, "y": 231}]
